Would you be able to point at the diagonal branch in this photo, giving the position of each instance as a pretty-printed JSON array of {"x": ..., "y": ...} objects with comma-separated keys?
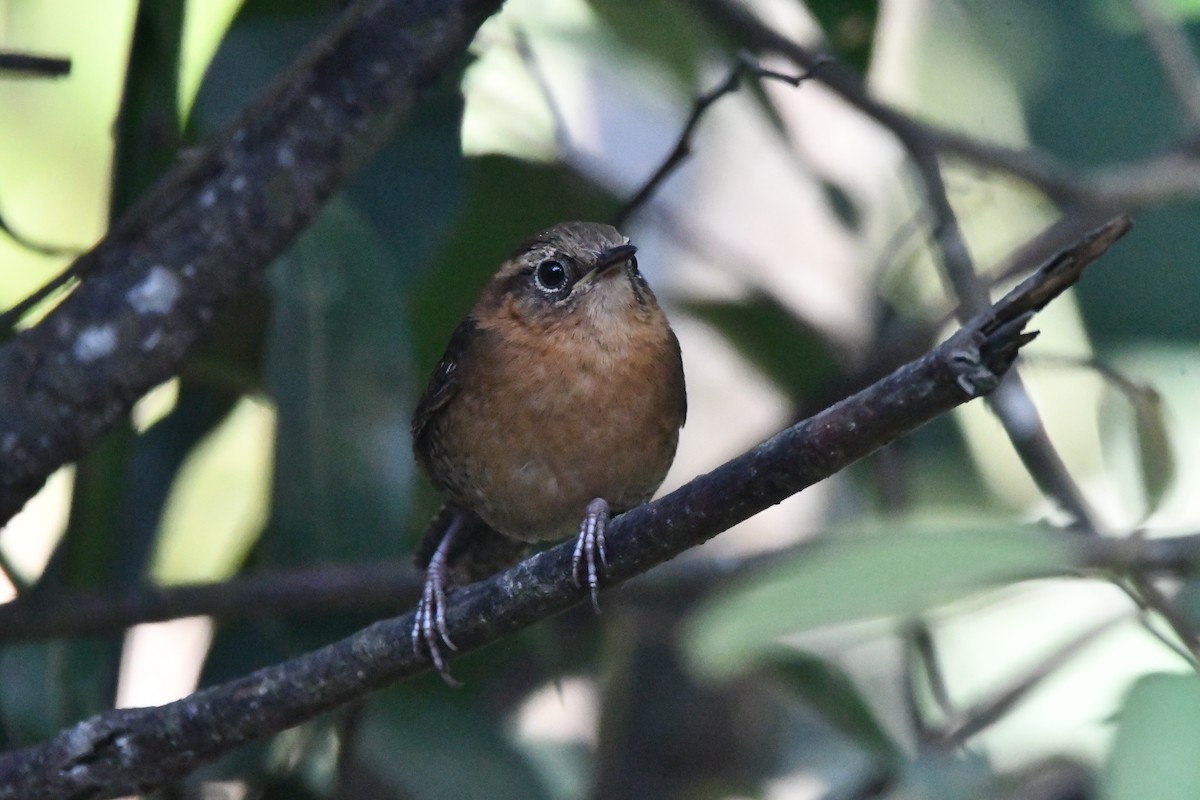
[
  {"x": 151, "y": 287},
  {"x": 1012, "y": 404},
  {"x": 133, "y": 750},
  {"x": 1170, "y": 44}
]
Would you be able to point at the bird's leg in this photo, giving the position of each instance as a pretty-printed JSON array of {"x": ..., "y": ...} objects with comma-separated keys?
[
  {"x": 430, "y": 624},
  {"x": 589, "y": 548}
]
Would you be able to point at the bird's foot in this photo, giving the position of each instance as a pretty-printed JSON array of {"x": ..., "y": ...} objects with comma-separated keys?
[
  {"x": 591, "y": 559},
  {"x": 429, "y": 631}
]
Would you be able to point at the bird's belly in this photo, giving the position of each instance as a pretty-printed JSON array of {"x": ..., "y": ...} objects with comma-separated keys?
[{"x": 533, "y": 451}]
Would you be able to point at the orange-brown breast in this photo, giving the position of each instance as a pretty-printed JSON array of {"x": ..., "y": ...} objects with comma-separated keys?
[{"x": 547, "y": 419}]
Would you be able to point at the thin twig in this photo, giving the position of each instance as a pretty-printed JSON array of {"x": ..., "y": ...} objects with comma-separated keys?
[
  {"x": 987, "y": 711},
  {"x": 1011, "y": 402},
  {"x": 1174, "y": 52},
  {"x": 1165, "y": 176},
  {"x": 25, "y": 64},
  {"x": 745, "y": 65},
  {"x": 40, "y": 248},
  {"x": 1136, "y": 393},
  {"x": 531, "y": 62},
  {"x": 922, "y": 663},
  {"x": 922, "y": 640}
]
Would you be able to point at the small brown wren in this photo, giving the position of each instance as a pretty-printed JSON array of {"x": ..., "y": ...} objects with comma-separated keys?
[{"x": 559, "y": 399}]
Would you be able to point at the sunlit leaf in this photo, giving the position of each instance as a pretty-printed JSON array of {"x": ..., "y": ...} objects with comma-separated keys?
[
  {"x": 1158, "y": 739},
  {"x": 219, "y": 501},
  {"x": 884, "y": 574}
]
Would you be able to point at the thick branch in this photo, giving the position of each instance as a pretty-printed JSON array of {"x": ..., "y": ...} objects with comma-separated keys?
[
  {"x": 133, "y": 750},
  {"x": 151, "y": 287}
]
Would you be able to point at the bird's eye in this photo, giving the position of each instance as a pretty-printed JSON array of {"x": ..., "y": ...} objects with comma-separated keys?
[{"x": 550, "y": 276}]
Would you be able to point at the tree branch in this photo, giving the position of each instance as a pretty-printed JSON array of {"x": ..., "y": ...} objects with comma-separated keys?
[
  {"x": 324, "y": 589},
  {"x": 151, "y": 286},
  {"x": 745, "y": 65},
  {"x": 1012, "y": 404},
  {"x": 133, "y": 750},
  {"x": 1175, "y": 57},
  {"x": 1162, "y": 177}
]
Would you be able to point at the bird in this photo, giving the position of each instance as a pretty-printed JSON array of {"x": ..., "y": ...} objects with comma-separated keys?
[{"x": 558, "y": 403}]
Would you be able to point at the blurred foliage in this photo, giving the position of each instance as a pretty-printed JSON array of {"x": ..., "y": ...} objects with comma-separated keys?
[
  {"x": 807, "y": 363},
  {"x": 896, "y": 571},
  {"x": 286, "y": 443},
  {"x": 1155, "y": 751},
  {"x": 850, "y": 27}
]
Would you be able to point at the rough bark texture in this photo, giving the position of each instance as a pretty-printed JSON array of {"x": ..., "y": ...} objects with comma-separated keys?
[{"x": 150, "y": 288}]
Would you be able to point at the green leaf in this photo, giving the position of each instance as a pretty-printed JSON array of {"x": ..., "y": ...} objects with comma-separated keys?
[
  {"x": 336, "y": 367},
  {"x": 665, "y": 31},
  {"x": 1156, "y": 455},
  {"x": 850, "y": 26},
  {"x": 1157, "y": 749},
  {"x": 831, "y": 692},
  {"x": 842, "y": 204},
  {"x": 887, "y": 573},
  {"x": 147, "y": 131}
]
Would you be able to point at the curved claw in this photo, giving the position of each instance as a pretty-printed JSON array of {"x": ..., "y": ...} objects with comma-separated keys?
[
  {"x": 590, "y": 549},
  {"x": 429, "y": 630}
]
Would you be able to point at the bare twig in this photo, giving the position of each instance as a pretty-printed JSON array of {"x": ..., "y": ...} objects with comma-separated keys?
[
  {"x": 746, "y": 65},
  {"x": 922, "y": 665},
  {"x": 991, "y": 708},
  {"x": 1159, "y": 178},
  {"x": 133, "y": 750},
  {"x": 531, "y": 62},
  {"x": 26, "y": 64},
  {"x": 1136, "y": 393},
  {"x": 1011, "y": 403},
  {"x": 12, "y": 316},
  {"x": 922, "y": 639},
  {"x": 1175, "y": 57}
]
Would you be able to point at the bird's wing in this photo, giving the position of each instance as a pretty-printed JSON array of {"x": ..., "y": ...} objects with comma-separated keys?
[
  {"x": 443, "y": 383},
  {"x": 678, "y": 378}
]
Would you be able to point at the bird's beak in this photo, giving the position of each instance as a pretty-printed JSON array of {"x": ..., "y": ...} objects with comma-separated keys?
[{"x": 612, "y": 257}]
